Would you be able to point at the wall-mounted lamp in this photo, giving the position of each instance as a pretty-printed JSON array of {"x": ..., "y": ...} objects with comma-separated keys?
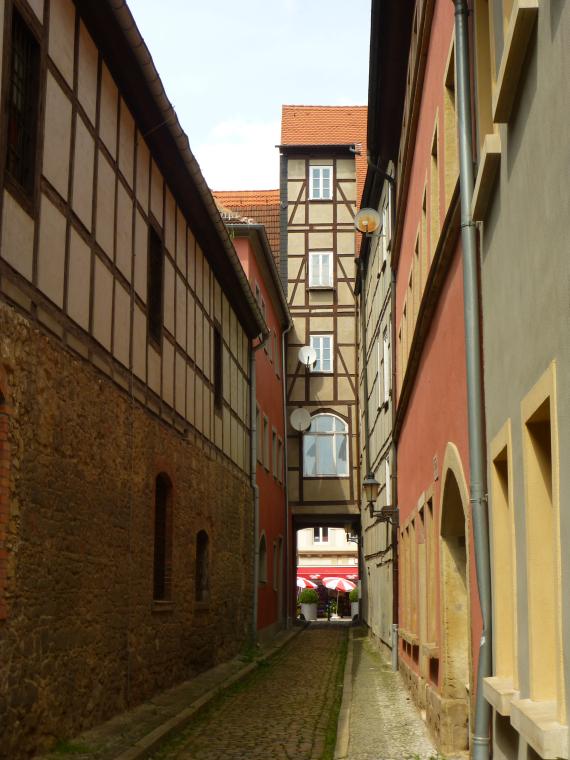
[
  {"x": 371, "y": 488},
  {"x": 367, "y": 221}
]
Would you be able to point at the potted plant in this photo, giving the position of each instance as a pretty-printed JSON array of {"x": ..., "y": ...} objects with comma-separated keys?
[
  {"x": 354, "y": 605},
  {"x": 308, "y": 599}
]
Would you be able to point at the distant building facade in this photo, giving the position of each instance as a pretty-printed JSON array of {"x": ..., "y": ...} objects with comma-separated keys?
[
  {"x": 126, "y": 508},
  {"x": 323, "y": 551}
]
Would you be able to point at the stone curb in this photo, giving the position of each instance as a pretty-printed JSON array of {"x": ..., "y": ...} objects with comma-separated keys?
[
  {"x": 152, "y": 741},
  {"x": 343, "y": 725}
]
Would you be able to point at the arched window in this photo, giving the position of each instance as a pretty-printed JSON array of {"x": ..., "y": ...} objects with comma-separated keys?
[
  {"x": 202, "y": 567},
  {"x": 325, "y": 447},
  {"x": 162, "y": 538},
  {"x": 262, "y": 559}
]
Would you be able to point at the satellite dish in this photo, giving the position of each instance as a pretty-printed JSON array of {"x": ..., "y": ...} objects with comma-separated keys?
[
  {"x": 300, "y": 419},
  {"x": 307, "y": 356},
  {"x": 367, "y": 220}
]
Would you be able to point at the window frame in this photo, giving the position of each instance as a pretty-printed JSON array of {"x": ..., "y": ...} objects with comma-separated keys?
[
  {"x": 316, "y": 171},
  {"x": 321, "y": 285},
  {"x": 345, "y": 473},
  {"x": 320, "y": 337},
  {"x": 322, "y": 533}
]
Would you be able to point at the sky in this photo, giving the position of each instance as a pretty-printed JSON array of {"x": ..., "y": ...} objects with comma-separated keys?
[{"x": 227, "y": 67}]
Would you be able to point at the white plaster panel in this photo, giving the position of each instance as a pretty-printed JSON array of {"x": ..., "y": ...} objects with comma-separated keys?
[
  {"x": 126, "y": 143},
  {"x": 191, "y": 259},
  {"x": 61, "y": 36},
  {"x": 102, "y": 304},
  {"x": 121, "y": 337},
  {"x": 345, "y": 296},
  {"x": 154, "y": 366},
  {"x": 38, "y": 8},
  {"x": 124, "y": 252},
  {"x": 180, "y": 383},
  {"x": 217, "y": 301},
  {"x": 199, "y": 273},
  {"x": 348, "y": 191},
  {"x": 345, "y": 168},
  {"x": 293, "y": 190},
  {"x": 168, "y": 295},
  {"x": 227, "y": 431},
  {"x": 206, "y": 288},
  {"x": 51, "y": 252},
  {"x": 57, "y": 136},
  {"x": 17, "y": 237},
  {"x": 344, "y": 215},
  {"x": 168, "y": 372},
  {"x": 190, "y": 392},
  {"x": 320, "y": 240},
  {"x": 346, "y": 328},
  {"x": 87, "y": 74},
  {"x": 139, "y": 343},
  {"x": 199, "y": 358},
  {"x": 296, "y": 242},
  {"x": 141, "y": 253},
  {"x": 234, "y": 439},
  {"x": 321, "y": 389},
  {"x": 320, "y": 213},
  {"x": 156, "y": 191},
  {"x": 191, "y": 325},
  {"x": 169, "y": 224},
  {"x": 108, "y": 111},
  {"x": 82, "y": 189},
  {"x": 344, "y": 389},
  {"x": 180, "y": 312},
  {"x": 143, "y": 168},
  {"x": 207, "y": 415},
  {"x": 296, "y": 168},
  {"x": 105, "y": 222},
  {"x": 181, "y": 242},
  {"x": 226, "y": 360},
  {"x": 79, "y": 280},
  {"x": 345, "y": 242},
  {"x": 199, "y": 407}
]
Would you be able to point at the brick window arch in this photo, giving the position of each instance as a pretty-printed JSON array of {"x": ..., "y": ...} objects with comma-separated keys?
[
  {"x": 162, "y": 575},
  {"x": 202, "y": 566}
]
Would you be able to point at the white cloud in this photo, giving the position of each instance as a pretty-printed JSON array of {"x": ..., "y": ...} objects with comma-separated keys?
[{"x": 240, "y": 155}]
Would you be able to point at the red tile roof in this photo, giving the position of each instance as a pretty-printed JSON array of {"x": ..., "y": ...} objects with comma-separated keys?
[
  {"x": 328, "y": 125},
  {"x": 260, "y": 205}
]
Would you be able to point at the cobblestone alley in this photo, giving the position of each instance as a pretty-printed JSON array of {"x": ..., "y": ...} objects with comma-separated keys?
[{"x": 285, "y": 709}]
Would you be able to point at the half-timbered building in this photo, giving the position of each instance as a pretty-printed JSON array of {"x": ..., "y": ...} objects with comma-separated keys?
[
  {"x": 126, "y": 509},
  {"x": 323, "y": 160}
]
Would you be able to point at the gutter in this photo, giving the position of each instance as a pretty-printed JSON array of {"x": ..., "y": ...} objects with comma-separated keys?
[
  {"x": 478, "y": 482},
  {"x": 128, "y": 27},
  {"x": 288, "y": 588}
]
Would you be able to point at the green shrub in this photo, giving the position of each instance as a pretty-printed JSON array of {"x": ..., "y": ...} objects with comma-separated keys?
[
  {"x": 353, "y": 596},
  {"x": 308, "y": 596}
]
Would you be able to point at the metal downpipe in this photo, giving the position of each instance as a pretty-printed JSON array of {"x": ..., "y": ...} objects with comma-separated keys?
[
  {"x": 477, "y": 467},
  {"x": 288, "y": 537}
]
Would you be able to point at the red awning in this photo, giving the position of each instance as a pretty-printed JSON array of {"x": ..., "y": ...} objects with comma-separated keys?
[{"x": 314, "y": 573}]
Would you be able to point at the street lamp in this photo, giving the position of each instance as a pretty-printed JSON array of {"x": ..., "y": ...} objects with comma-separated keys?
[{"x": 371, "y": 488}]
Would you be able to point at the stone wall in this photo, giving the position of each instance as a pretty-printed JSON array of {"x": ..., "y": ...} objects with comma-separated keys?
[{"x": 82, "y": 638}]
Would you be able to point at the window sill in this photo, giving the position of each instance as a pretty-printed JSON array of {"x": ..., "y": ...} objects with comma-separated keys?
[
  {"x": 326, "y": 477},
  {"x": 321, "y": 200},
  {"x": 431, "y": 651},
  {"x": 537, "y": 723},
  {"x": 409, "y": 638},
  {"x": 523, "y": 18},
  {"x": 321, "y": 287},
  {"x": 160, "y": 605},
  {"x": 488, "y": 166},
  {"x": 499, "y": 692}
]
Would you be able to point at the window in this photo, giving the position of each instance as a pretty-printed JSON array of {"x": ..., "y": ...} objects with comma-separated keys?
[
  {"x": 23, "y": 97},
  {"x": 162, "y": 538},
  {"x": 323, "y": 347},
  {"x": 265, "y": 442},
  {"x": 276, "y": 356},
  {"x": 218, "y": 374},
  {"x": 202, "y": 567},
  {"x": 280, "y": 460},
  {"x": 155, "y": 285},
  {"x": 320, "y": 535},
  {"x": 320, "y": 183},
  {"x": 275, "y": 566},
  {"x": 274, "y": 452},
  {"x": 386, "y": 364},
  {"x": 325, "y": 447},
  {"x": 259, "y": 433},
  {"x": 388, "y": 480},
  {"x": 262, "y": 566},
  {"x": 320, "y": 269}
]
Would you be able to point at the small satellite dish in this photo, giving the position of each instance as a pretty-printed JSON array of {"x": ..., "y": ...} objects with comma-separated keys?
[
  {"x": 307, "y": 356},
  {"x": 300, "y": 419},
  {"x": 367, "y": 220}
]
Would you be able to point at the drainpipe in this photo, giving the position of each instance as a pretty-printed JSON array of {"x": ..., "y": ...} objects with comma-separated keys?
[
  {"x": 478, "y": 485},
  {"x": 363, "y": 332},
  {"x": 288, "y": 620},
  {"x": 254, "y": 486}
]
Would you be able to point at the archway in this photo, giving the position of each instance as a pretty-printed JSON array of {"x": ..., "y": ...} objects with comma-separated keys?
[{"x": 455, "y": 594}]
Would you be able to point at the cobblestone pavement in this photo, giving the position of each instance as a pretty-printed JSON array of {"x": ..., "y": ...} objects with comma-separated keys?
[
  {"x": 384, "y": 722},
  {"x": 284, "y": 710}
]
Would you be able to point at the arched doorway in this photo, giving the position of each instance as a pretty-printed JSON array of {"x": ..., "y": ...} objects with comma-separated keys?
[{"x": 455, "y": 604}]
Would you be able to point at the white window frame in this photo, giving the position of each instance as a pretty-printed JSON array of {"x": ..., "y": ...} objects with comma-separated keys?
[
  {"x": 340, "y": 472},
  {"x": 316, "y": 342},
  {"x": 316, "y": 179},
  {"x": 319, "y": 282},
  {"x": 319, "y": 536}
]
